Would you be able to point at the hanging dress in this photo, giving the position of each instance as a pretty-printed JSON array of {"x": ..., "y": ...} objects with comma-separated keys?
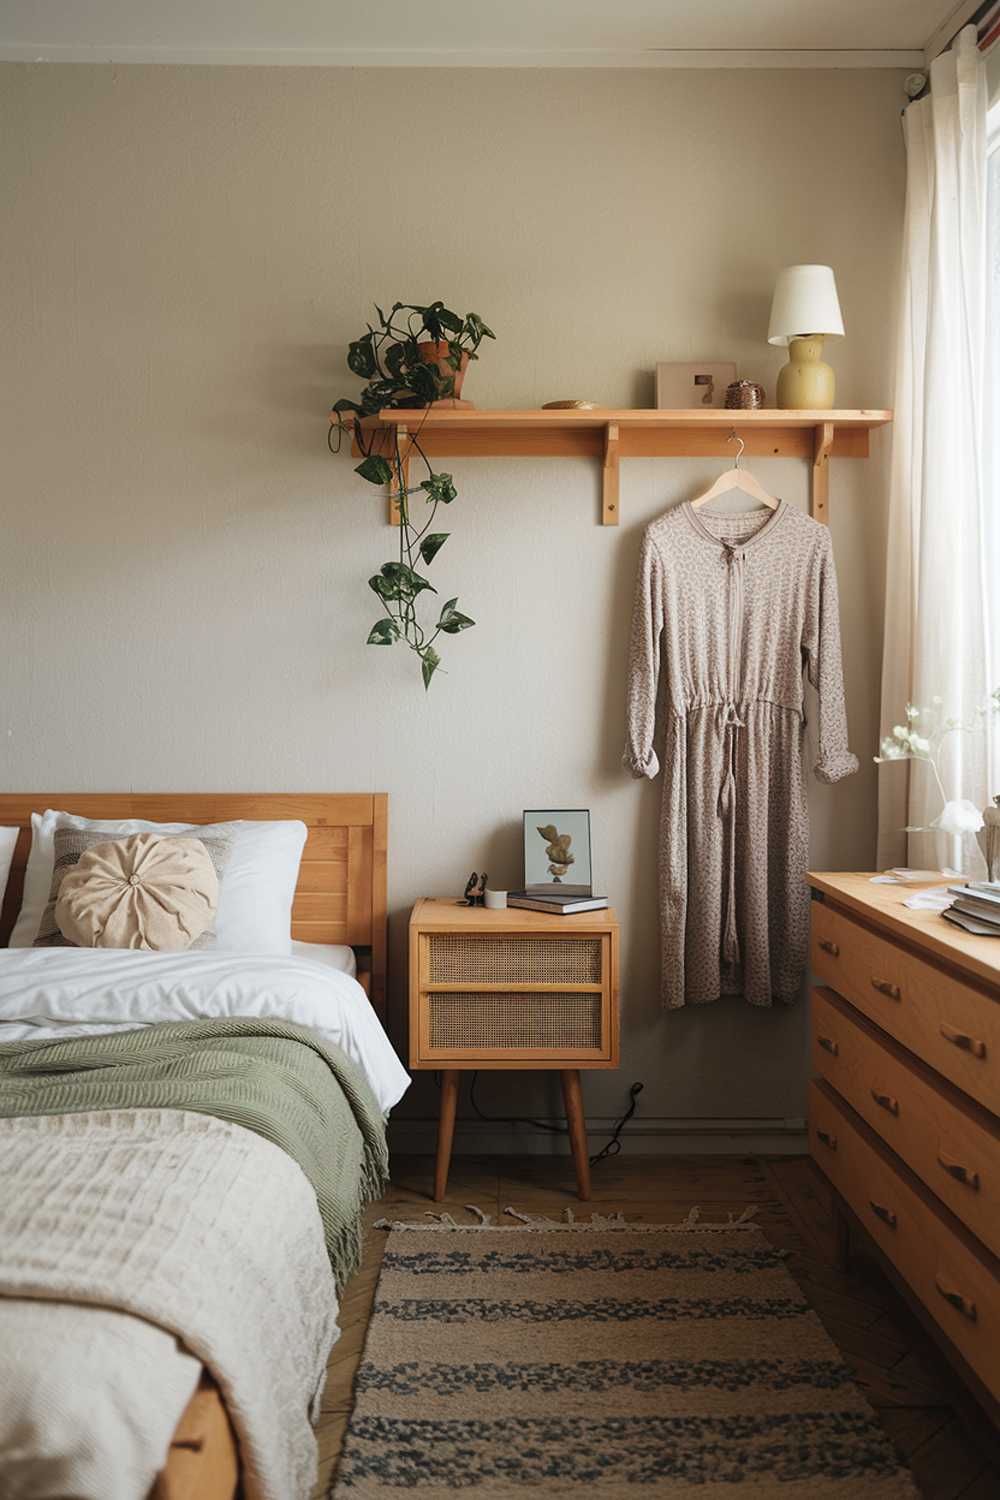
[{"x": 729, "y": 610}]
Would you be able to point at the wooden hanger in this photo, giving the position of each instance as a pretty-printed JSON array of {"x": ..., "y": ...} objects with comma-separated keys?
[{"x": 736, "y": 479}]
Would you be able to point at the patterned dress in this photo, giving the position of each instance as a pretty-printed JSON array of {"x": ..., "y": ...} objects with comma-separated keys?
[{"x": 728, "y": 612}]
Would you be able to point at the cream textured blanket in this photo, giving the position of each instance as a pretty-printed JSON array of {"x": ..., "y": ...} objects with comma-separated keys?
[{"x": 199, "y": 1226}]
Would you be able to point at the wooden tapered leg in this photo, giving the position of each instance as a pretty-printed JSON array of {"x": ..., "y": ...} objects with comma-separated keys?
[
  {"x": 573, "y": 1099},
  {"x": 446, "y": 1131}
]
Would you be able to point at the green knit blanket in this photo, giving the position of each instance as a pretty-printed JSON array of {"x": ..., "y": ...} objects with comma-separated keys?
[{"x": 272, "y": 1077}]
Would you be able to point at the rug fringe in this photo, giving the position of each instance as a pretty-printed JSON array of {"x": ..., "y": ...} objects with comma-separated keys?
[{"x": 596, "y": 1223}]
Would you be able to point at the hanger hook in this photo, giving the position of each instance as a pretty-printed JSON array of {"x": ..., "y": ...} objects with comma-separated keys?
[{"x": 735, "y": 438}]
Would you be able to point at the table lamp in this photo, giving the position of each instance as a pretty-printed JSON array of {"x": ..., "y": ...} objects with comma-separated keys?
[{"x": 804, "y": 312}]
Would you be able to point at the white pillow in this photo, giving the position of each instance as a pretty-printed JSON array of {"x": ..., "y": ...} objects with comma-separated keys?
[
  {"x": 8, "y": 838},
  {"x": 334, "y": 955},
  {"x": 257, "y": 888}
]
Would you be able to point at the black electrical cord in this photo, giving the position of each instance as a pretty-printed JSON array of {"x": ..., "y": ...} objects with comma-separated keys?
[
  {"x": 614, "y": 1145},
  {"x": 611, "y": 1147}
]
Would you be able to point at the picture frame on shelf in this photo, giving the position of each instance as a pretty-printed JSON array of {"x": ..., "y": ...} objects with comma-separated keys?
[
  {"x": 557, "y": 852},
  {"x": 689, "y": 384}
]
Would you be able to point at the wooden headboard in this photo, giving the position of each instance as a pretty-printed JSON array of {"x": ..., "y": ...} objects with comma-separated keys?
[{"x": 341, "y": 894}]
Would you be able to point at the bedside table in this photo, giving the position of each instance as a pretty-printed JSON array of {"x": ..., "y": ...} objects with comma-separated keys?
[{"x": 512, "y": 989}]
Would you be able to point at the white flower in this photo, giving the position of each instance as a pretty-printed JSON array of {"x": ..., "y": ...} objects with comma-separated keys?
[
  {"x": 901, "y": 733},
  {"x": 912, "y": 712},
  {"x": 919, "y": 744},
  {"x": 961, "y": 816}
]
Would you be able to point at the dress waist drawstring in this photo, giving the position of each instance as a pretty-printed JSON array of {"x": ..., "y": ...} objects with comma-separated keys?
[{"x": 731, "y": 722}]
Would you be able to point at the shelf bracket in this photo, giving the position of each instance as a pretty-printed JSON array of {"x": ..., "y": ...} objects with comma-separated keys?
[
  {"x": 394, "y": 516},
  {"x": 609, "y": 477},
  {"x": 819, "y": 498}
]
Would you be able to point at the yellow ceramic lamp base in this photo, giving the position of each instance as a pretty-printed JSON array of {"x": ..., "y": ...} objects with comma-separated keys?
[{"x": 806, "y": 383}]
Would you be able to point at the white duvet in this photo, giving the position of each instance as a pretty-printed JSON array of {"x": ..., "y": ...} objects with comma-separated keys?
[{"x": 50, "y": 993}]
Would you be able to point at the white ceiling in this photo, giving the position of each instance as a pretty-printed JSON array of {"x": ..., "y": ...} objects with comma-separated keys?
[{"x": 647, "y": 33}]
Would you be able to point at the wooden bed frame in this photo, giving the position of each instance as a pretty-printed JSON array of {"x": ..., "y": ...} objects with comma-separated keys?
[{"x": 340, "y": 898}]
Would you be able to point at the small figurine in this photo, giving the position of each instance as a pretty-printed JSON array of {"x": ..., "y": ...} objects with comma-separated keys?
[
  {"x": 557, "y": 849},
  {"x": 472, "y": 896}
]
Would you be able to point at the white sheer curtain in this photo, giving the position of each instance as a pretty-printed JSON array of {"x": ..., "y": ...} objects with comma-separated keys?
[{"x": 942, "y": 622}]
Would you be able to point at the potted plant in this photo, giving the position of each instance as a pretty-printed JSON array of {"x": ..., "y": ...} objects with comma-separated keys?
[{"x": 414, "y": 358}]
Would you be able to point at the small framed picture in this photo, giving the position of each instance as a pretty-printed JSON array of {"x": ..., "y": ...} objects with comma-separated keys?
[
  {"x": 685, "y": 387},
  {"x": 557, "y": 851}
]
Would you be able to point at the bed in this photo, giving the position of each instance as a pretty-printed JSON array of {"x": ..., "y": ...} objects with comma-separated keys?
[{"x": 339, "y": 904}]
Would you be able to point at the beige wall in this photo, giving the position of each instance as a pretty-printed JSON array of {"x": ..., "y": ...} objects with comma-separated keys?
[{"x": 182, "y": 564}]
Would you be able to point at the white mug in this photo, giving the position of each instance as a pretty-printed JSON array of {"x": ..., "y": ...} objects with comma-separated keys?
[{"x": 495, "y": 900}]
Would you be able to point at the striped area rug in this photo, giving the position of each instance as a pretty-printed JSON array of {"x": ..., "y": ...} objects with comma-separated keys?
[{"x": 606, "y": 1358}]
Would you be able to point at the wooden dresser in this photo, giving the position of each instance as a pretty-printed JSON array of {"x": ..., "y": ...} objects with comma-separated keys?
[{"x": 904, "y": 1104}]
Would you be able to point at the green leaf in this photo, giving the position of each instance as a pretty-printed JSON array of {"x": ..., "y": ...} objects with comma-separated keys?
[
  {"x": 375, "y": 469},
  {"x": 422, "y": 380},
  {"x": 361, "y": 357},
  {"x": 407, "y": 580},
  {"x": 440, "y": 487},
  {"x": 452, "y": 620},
  {"x": 395, "y": 358},
  {"x": 432, "y": 319},
  {"x": 432, "y": 544},
  {"x": 384, "y": 632},
  {"x": 449, "y": 320},
  {"x": 384, "y": 587},
  {"x": 477, "y": 329},
  {"x": 429, "y": 663},
  {"x": 344, "y": 405}
]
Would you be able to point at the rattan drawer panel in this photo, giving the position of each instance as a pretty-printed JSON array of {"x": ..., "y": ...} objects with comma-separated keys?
[
  {"x": 471, "y": 958},
  {"x": 495, "y": 1023}
]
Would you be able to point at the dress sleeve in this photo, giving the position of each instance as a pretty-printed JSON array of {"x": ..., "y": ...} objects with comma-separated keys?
[
  {"x": 821, "y": 648},
  {"x": 644, "y": 664}
]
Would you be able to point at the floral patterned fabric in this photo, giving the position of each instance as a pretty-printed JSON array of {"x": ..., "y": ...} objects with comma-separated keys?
[{"x": 729, "y": 612}]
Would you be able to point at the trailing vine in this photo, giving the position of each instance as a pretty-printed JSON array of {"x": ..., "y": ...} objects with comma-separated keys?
[{"x": 410, "y": 359}]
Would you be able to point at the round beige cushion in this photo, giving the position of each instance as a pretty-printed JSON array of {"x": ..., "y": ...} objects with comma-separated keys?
[{"x": 146, "y": 891}]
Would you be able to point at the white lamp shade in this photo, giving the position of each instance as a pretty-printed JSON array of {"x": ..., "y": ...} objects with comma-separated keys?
[{"x": 805, "y": 301}]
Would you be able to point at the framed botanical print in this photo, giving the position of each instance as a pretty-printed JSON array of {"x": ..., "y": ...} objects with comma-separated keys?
[{"x": 557, "y": 851}]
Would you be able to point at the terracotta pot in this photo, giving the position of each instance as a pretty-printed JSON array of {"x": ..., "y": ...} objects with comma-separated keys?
[{"x": 436, "y": 352}]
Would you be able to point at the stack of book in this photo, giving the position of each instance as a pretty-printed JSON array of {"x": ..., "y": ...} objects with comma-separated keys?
[
  {"x": 562, "y": 903},
  {"x": 976, "y": 907}
]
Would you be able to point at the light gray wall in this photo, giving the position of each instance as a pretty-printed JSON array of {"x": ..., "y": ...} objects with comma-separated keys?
[{"x": 182, "y": 564}]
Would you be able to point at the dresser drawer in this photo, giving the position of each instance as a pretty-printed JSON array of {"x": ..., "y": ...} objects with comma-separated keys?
[
  {"x": 952, "y": 1026},
  {"x": 953, "y": 1148},
  {"x": 957, "y": 1285}
]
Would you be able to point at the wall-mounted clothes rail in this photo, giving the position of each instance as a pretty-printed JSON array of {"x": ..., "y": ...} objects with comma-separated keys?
[{"x": 610, "y": 436}]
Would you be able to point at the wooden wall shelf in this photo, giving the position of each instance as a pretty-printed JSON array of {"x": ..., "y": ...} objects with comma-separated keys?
[{"x": 609, "y": 436}]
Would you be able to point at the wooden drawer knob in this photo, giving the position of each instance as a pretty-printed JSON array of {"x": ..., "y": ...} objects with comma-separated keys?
[
  {"x": 828, "y": 947},
  {"x": 965, "y": 1305},
  {"x": 881, "y": 1212},
  {"x": 886, "y": 987},
  {"x": 963, "y": 1040},
  {"x": 827, "y": 1139},
  {"x": 828, "y": 1045},
  {"x": 958, "y": 1171},
  {"x": 886, "y": 1101}
]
